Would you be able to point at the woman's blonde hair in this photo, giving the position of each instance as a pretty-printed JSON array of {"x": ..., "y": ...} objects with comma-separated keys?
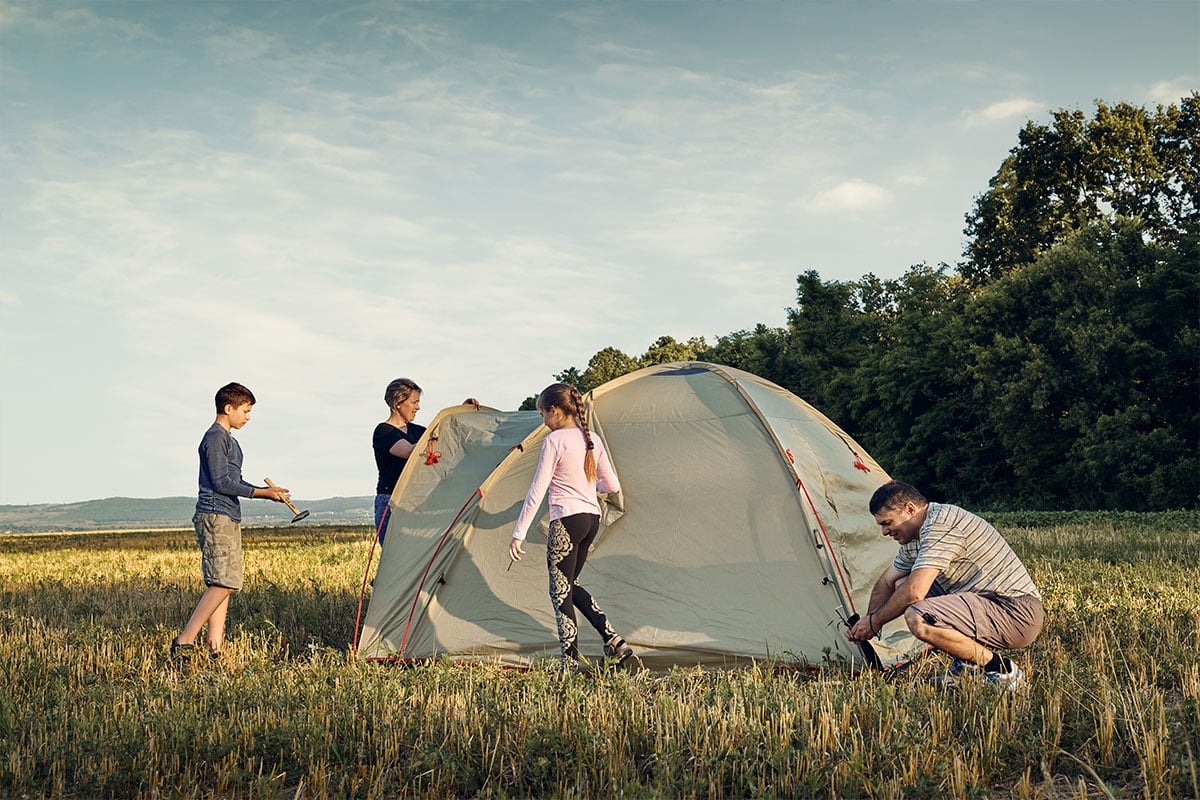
[
  {"x": 568, "y": 398},
  {"x": 398, "y": 391}
]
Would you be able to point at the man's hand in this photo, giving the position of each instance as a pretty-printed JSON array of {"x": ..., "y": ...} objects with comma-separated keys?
[
  {"x": 861, "y": 630},
  {"x": 514, "y": 550}
]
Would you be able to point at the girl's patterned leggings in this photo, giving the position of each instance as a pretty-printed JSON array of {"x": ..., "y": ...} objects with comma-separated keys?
[{"x": 566, "y": 551}]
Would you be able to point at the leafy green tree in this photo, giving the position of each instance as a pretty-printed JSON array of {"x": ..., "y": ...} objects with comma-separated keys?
[
  {"x": 1124, "y": 162},
  {"x": 758, "y": 351},
  {"x": 570, "y": 376},
  {"x": 666, "y": 350},
  {"x": 1085, "y": 364},
  {"x": 907, "y": 400},
  {"x": 833, "y": 328},
  {"x": 607, "y": 364}
]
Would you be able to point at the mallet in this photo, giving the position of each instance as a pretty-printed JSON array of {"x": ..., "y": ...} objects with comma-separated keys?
[{"x": 299, "y": 514}]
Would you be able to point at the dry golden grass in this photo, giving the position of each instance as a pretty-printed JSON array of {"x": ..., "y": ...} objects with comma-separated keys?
[{"x": 90, "y": 705}]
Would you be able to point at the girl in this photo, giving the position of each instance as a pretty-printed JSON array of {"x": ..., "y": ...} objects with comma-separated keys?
[{"x": 574, "y": 466}]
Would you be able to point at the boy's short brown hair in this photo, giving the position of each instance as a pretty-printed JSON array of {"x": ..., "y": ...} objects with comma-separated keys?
[{"x": 233, "y": 394}]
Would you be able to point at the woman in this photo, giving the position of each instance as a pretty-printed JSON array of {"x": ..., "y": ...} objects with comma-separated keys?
[
  {"x": 394, "y": 441},
  {"x": 574, "y": 466}
]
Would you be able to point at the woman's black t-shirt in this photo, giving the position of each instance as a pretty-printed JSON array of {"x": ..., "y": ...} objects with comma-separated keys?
[{"x": 391, "y": 466}]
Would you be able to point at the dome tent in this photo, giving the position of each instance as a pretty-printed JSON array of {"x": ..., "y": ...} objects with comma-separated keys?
[{"x": 741, "y": 531}]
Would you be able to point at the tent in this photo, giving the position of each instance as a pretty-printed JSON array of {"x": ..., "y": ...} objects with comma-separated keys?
[{"x": 741, "y": 532}]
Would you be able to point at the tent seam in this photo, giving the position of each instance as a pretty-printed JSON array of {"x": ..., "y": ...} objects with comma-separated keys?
[{"x": 788, "y": 465}]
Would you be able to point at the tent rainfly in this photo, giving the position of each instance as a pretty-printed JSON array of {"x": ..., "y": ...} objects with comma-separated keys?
[{"x": 741, "y": 532}]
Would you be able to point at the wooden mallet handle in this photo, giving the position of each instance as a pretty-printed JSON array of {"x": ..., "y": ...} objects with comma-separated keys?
[{"x": 289, "y": 502}]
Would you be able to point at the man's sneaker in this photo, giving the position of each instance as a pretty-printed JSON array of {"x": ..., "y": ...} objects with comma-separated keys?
[
  {"x": 958, "y": 672},
  {"x": 618, "y": 649},
  {"x": 1008, "y": 681}
]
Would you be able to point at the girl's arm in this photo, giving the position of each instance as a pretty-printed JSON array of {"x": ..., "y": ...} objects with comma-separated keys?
[
  {"x": 537, "y": 489},
  {"x": 606, "y": 477}
]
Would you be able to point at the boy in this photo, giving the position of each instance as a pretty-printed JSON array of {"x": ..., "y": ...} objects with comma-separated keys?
[{"x": 218, "y": 519}]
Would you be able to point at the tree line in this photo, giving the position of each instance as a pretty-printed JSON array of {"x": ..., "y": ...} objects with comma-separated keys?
[{"x": 1055, "y": 367}]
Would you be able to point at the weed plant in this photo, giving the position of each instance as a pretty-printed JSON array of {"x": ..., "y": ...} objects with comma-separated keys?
[{"x": 91, "y": 706}]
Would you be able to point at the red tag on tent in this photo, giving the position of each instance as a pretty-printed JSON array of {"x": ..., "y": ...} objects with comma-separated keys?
[
  {"x": 789, "y": 455},
  {"x": 431, "y": 455},
  {"x": 858, "y": 463}
]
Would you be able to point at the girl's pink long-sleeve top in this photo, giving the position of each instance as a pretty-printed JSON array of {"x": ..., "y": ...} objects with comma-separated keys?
[{"x": 560, "y": 469}]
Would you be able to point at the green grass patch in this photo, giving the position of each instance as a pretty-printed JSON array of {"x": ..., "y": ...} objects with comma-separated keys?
[{"x": 90, "y": 705}]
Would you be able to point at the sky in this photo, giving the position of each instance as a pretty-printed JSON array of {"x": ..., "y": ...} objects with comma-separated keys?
[{"x": 315, "y": 198}]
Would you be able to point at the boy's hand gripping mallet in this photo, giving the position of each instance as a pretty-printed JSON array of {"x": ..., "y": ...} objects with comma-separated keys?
[{"x": 299, "y": 514}]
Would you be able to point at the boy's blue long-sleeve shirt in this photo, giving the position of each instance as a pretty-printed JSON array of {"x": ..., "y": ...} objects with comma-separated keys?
[{"x": 221, "y": 481}]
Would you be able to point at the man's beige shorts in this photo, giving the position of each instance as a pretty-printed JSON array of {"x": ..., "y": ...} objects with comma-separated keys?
[
  {"x": 1000, "y": 622},
  {"x": 220, "y": 540}
]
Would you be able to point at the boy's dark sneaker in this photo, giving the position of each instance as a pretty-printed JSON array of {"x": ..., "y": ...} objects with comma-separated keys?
[{"x": 181, "y": 652}]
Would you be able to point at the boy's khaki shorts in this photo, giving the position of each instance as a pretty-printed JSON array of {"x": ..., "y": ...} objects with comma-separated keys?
[{"x": 220, "y": 540}]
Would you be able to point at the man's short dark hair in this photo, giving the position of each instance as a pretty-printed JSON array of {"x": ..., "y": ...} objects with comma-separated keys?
[
  {"x": 895, "y": 494},
  {"x": 233, "y": 394}
]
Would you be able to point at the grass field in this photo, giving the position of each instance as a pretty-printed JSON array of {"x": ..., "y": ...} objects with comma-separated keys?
[{"x": 90, "y": 705}]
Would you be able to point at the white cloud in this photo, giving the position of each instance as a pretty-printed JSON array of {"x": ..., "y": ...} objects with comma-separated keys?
[
  {"x": 1171, "y": 91},
  {"x": 850, "y": 195},
  {"x": 317, "y": 202},
  {"x": 238, "y": 46},
  {"x": 698, "y": 224},
  {"x": 52, "y": 20},
  {"x": 1003, "y": 111}
]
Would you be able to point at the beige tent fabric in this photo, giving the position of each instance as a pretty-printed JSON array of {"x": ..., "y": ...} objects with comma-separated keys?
[{"x": 744, "y": 532}]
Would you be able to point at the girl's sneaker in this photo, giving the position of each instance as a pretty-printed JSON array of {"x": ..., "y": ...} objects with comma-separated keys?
[
  {"x": 576, "y": 666},
  {"x": 618, "y": 648}
]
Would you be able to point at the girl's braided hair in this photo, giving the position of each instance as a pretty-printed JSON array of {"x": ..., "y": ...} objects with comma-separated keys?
[{"x": 569, "y": 399}]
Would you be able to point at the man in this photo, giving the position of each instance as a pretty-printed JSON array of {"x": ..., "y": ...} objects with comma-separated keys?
[{"x": 957, "y": 583}]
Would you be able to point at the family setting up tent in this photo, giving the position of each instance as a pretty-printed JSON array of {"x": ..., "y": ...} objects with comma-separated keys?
[{"x": 741, "y": 532}]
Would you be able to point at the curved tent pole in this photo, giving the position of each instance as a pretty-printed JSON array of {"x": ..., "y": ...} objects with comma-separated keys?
[
  {"x": 363, "y": 591},
  {"x": 843, "y": 587},
  {"x": 427, "y": 438},
  {"x": 478, "y": 493},
  {"x": 425, "y": 574}
]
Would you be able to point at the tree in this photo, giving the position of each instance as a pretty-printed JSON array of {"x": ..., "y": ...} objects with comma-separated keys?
[
  {"x": 1124, "y": 162},
  {"x": 607, "y": 364},
  {"x": 1084, "y": 362},
  {"x": 757, "y": 351},
  {"x": 666, "y": 350},
  {"x": 570, "y": 376},
  {"x": 907, "y": 398},
  {"x": 833, "y": 328}
]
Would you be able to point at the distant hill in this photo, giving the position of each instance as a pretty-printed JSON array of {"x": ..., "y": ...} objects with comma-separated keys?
[{"x": 114, "y": 513}]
